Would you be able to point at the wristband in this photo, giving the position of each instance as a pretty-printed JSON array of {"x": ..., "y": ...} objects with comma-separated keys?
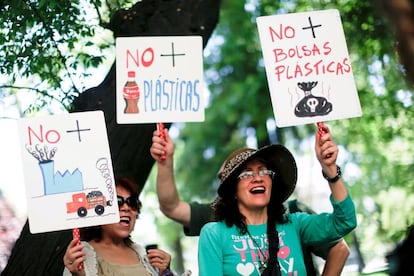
[{"x": 335, "y": 178}]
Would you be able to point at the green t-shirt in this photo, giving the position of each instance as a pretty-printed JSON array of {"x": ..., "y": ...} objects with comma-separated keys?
[
  {"x": 202, "y": 213},
  {"x": 224, "y": 251}
]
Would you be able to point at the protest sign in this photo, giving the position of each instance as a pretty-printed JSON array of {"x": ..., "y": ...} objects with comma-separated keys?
[
  {"x": 159, "y": 79},
  {"x": 67, "y": 171},
  {"x": 308, "y": 67}
]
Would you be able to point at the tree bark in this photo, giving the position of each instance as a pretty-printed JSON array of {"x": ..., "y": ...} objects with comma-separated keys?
[
  {"x": 41, "y": 254},
  {"x": 400, "y": 14}
]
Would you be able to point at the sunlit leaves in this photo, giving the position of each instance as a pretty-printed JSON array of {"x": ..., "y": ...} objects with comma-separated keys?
[{"x": 46, "y": 43}]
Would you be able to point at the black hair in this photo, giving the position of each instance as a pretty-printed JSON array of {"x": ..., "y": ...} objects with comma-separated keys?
[
  {"x": 226, "y": 209},
  {"x": 95, "y": 232}
]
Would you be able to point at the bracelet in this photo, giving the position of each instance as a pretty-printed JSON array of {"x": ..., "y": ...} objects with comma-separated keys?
[{"x": 335, "y": 178}]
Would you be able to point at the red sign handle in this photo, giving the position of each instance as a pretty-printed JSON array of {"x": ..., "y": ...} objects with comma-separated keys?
[
  {"x": 76, "y": 235},
  {"x": 321, "y": 132},
  {"x": 160, "y": 127},
  {"x": 320, "y": 128}
]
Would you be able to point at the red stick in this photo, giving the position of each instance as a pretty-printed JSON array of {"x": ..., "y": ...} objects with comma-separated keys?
[
  {"x": 321, "y": 132},
  {"x": 76, "y": 235},
  {"x": 160, "y": 127},
  {"x": 320, "y": 128}
]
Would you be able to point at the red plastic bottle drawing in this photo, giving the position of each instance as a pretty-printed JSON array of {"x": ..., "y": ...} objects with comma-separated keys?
[{"x": 131, "y": 94}]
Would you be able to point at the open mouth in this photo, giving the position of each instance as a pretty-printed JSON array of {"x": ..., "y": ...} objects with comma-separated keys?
[
  {"x": 258, "y": 190},
  {"x": 125, "y": 220}
]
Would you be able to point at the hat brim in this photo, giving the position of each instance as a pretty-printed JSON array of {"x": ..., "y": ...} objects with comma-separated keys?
[{"x": 280, "y": 160}]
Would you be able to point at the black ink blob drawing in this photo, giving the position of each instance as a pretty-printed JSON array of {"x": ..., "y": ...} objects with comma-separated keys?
[{"x": 311, "y": 105}]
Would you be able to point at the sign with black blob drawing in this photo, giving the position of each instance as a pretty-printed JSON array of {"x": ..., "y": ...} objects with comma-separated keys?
[
  {"x": 308, "y": 67},
  {"x": 67, "y": 171},
  {"x": 159, "y": 79}
]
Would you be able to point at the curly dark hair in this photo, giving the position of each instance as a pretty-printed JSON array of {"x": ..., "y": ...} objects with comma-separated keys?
[
  {"x": 226, "y": 209},
  {"x": 95, "y": 232}
]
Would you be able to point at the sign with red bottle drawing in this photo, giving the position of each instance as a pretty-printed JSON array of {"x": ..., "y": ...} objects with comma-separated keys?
[
  {"x": 159, "y": 79},
  {"x": 308, "y": 67},
  {"x": 67, "y": 171}
]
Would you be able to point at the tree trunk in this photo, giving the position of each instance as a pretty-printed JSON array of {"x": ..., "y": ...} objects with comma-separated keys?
[
  {"x": 400, "y": 13},
  {"x": 41, "y": 254}
]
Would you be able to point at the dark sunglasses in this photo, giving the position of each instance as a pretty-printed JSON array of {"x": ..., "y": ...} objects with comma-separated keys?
[{"x": 130, "y": 201}]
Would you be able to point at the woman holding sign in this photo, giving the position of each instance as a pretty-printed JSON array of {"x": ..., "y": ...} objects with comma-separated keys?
[
  {"x": 108, "y": 249},
  {"x": 253, "y": 235}
]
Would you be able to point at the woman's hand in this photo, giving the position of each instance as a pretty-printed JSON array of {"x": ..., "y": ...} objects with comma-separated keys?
[
  {"x": 73, "y": 257},
  {"x": 160, "y": 259},
  {"x": 161, "y": 148},
  {"x": 326, "y": 151}
]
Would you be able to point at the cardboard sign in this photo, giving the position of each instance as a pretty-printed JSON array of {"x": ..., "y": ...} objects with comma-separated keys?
[
  {"x": 308, "y": 67},
  {"x": 67, "y": 171},
  {"x": 159, "y": 79}
]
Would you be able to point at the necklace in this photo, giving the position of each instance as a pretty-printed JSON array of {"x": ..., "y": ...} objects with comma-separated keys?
[{"x": 263, "y": 264}]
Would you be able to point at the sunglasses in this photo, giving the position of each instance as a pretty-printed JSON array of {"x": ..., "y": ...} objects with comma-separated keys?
[{"x": 130, "y": 201}]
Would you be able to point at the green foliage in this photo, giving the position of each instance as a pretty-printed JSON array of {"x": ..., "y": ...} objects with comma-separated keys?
[
  {"x": 396, "y": 215},
  {"x": 51, "y": 44}
]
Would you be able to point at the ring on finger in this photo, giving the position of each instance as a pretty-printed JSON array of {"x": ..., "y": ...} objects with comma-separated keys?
[{"x": 70, "y": 262}]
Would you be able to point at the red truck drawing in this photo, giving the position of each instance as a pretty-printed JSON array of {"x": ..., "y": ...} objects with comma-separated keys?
[{"x": 82, "y": 202}]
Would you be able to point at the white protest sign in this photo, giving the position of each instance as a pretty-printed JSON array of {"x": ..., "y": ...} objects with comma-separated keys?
[
  {"x": 308, "y": 67},
  {"x": 159, "y": 79},
  {"x": 67, "y": 171}
]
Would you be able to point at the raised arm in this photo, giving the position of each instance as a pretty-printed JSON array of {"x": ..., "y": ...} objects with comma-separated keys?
[
  {"x": 327, "y": 151},
  {"x": 170, "y": 203}
]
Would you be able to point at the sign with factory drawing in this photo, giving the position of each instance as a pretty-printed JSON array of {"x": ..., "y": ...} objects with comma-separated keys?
[
  {"x": 308, "y": 67},
  {"x": 67, "y": 171}
]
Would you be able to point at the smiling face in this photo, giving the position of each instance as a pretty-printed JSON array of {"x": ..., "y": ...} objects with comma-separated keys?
[
  {"x": 253, "y": 193},
  {"x": 127, "y": 215}
]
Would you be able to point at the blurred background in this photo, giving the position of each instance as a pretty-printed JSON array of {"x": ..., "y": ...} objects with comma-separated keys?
[{"x": 44, "y": 67}]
